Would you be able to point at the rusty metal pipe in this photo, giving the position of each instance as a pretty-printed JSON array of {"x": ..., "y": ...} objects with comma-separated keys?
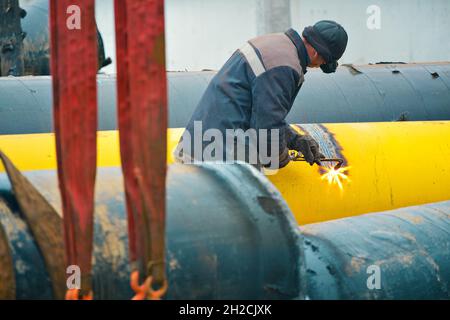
[
  {"x": 233, "y": 237},
  {"x": 225, "y": 239},
  {"x": 399, "y": 254}
]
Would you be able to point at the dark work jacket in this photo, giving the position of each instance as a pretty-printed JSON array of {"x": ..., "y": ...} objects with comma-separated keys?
[{"x": 256, "y": 88}]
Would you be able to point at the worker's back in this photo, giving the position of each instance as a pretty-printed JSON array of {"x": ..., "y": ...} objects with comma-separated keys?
[{"x": 246, "y": 92}]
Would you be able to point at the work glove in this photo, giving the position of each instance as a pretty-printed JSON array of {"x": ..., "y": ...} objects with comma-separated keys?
[
  {"x": 284, "y": 159},
  {"x": 308, "y": 147}
]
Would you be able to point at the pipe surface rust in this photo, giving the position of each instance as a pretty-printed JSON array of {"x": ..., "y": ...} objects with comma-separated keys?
[{"x": 392, "y": 165}]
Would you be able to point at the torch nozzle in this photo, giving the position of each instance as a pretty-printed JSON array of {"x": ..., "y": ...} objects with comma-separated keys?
[{"x": 340, "y": 162}]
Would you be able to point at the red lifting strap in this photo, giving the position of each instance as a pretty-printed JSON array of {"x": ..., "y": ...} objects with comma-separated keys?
[
  {"x": 74, "y": 70},
  {"x": 142, "y": 113}
]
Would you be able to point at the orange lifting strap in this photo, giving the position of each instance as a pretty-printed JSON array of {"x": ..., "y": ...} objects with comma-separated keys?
[
  {"x": 142, "y": 114},
  {"x": 142, "y": 109},
  {"x": 74, "y": 71}
]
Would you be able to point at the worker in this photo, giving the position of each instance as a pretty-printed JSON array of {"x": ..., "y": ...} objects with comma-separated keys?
[{"x": 256, "y": 89}]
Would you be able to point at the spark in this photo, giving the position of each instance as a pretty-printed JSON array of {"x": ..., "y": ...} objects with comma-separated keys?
[{"x": 336, "y": 176}]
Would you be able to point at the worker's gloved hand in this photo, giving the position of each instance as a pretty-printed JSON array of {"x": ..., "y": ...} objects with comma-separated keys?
[
  {"x": 308, "y": 147},
  {"x": 284, "y": 158}
]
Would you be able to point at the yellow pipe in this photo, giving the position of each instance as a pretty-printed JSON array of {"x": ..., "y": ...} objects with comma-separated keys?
[{"x": 392, "y": 165}]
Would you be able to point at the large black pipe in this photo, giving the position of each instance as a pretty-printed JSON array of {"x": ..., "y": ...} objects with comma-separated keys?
[
  {"x": 230, "y": 235},
  {"x": 400, "y": 254},
  {"x": 363, "y": 94},
  {"x": 225, "y": 239}
]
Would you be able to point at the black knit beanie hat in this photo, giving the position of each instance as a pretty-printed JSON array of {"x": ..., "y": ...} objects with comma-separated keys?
[{"x": 330, "y": 40}]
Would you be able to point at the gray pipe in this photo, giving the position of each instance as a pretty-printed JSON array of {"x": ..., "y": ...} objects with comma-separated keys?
[{"x": 366, "y": 94}]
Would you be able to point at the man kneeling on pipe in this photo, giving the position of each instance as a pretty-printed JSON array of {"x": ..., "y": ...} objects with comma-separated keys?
[{"x": 241, "y": 116}]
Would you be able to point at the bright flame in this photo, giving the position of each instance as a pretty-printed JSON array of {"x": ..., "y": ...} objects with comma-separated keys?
[{"x": 336, "y": 176}]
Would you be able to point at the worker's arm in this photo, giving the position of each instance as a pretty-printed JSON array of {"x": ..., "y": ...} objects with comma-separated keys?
[
  {"x": 273, "y": 93},
  {"x": 305, "y": 144}
]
